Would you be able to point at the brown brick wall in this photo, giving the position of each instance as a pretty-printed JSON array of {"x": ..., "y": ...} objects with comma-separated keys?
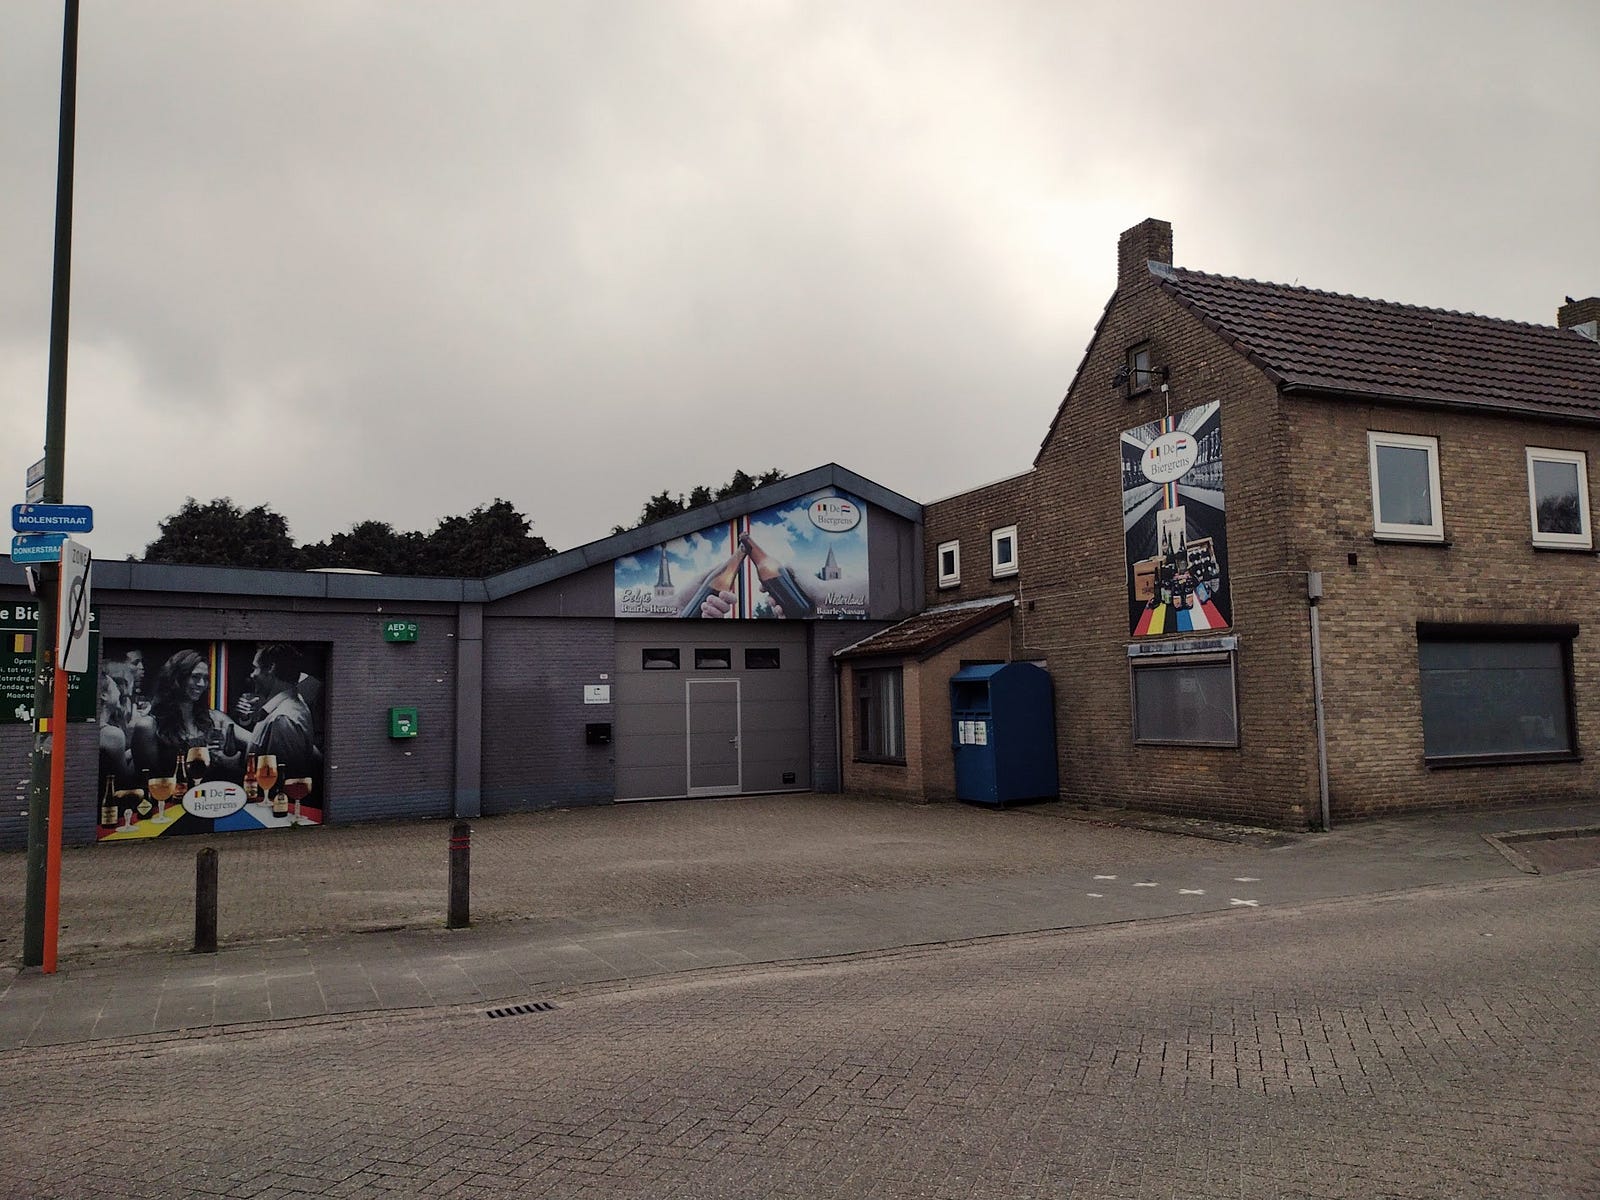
[
  {"x": 1074, "y": 608},
  {"x": 1487, "y": 572},
  {"x": 929, "y": 770},
  {"x": 970, "y": 518}
]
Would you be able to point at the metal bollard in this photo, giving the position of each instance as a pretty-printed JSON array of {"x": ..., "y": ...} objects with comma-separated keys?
[
  {"x": 205, "y": 901},
  {"x": 460, "y": 876}
]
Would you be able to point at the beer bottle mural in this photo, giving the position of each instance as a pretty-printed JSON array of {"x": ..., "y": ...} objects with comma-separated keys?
[
  {"x": 203, "y": 737},
  {"x": 1174, "y": 524}
]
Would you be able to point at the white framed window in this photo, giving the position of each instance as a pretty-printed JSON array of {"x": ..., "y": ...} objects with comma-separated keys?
[
  {"x": 1558, "y": 498},
  {"x": 1003, "y": 552},
  {"x": 1405, "y": 487},
  {"x": 949, "y": 564}
]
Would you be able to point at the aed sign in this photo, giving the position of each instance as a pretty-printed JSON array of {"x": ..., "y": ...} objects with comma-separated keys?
[{"x": 399, "y": 631}]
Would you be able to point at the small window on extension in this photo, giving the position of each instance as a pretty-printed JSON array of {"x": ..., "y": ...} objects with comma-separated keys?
[
  {"x": 713, "y": 660},
  {"x": 761, "y": 658},
  {"x": 660, "y": 660}
]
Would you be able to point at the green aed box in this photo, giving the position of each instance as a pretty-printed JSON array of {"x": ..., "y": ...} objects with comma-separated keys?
[
  {"x": 403, "y": 722},
  {"x": 399, "y": 631}
]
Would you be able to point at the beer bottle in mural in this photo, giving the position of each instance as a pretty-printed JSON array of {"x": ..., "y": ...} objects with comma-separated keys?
[
  {"x": 108, "y": 807},
  {"x": 778, "y": 582},
  {"x": 252, "y": 787},
  {"x": 180, "y": 778},
  {"x": 720, "y": 580}
]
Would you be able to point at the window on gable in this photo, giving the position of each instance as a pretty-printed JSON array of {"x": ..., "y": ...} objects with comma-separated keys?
[
  {"x": 1003, "y": 552},
  {"x": 1139, "y": 373},
  {"x": 1558, "y": 498},
  {"x": 880, "y": 715},
  {"x": 1405, "y": 487},
  {"x": 1493, "y": 693},
  {"x": 949, "y": 564}
]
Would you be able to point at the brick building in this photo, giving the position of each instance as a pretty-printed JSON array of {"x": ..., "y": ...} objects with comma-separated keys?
[{"x": 1228, "y": 449}]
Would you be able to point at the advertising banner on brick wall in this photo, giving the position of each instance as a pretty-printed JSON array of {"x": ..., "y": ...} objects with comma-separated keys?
[
  {"x": 209, "y": 737},
  {"x": 18, "y": 623},
  {"x": 804, "y": 558},
  {"x": 1173, "y": 524}
]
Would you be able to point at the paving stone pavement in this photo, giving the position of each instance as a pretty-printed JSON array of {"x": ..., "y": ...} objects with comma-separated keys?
[
  {"x": 634, "y": 891},
  {"x": 1436, "y": 1042}
]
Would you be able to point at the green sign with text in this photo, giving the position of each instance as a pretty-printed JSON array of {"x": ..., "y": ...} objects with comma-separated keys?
[
  {"x": 18, "y": 624},
  {"x": 399, "y": 631}
]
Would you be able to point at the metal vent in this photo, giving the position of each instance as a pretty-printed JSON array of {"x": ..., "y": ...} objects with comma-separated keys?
[{"x": 520, "y": 1010}]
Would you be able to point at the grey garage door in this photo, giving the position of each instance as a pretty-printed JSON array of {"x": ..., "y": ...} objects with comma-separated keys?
[{"x": 708, "y": 708}]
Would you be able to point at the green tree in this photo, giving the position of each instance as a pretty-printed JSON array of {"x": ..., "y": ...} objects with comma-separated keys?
[
  {"x": 489, "y": 539},
  {"x": 221, "y": 534},
  {"x": 665, "y": 504},
  {"x": 371, "y": 546}
]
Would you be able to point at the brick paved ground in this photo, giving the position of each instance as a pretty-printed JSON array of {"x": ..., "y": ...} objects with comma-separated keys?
[
  {"x": 627, "y": 858},
  {"x": 1435, "y": 1043}
]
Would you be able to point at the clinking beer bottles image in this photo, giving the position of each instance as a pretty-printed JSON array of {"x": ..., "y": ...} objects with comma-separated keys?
[
  {"x": 777, "y": 581},
  {"x": 717, "y": 581}
]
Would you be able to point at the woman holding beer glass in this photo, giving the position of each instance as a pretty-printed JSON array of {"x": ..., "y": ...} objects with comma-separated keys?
[{"x": 181, "y": 735}]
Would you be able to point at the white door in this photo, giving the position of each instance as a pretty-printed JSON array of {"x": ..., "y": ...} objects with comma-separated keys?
[{"x": 713, "y": 738}]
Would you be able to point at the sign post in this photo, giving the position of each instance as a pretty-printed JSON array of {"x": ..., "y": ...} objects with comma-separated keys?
[
  {"x": 72, "y": 654},
  {"x": 55, "y": 470}
]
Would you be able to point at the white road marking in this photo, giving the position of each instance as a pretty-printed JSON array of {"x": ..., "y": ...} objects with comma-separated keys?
[
  {"x": 1246, "y": 903},
  {"x": 1105, "y": 876},
  {"x": 1147, "y": 885},
  {"x": 1191, "y": 891},
  {"x": 1095, "y": 895},
  {"x": 1247, "y": 879}
]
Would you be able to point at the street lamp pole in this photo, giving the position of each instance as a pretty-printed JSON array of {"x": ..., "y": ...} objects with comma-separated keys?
[{"x": 45, "y": 735}]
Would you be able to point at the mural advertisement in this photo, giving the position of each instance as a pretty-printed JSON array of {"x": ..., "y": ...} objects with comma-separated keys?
[
  {"x": 203, "y": 737},
  {"x": 804, "y": 558},
  {"x": 1173, "y": 524}
]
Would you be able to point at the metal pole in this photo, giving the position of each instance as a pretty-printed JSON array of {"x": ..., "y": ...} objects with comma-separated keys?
[
  {"x": 55, "y": 463},
  {"x": 460, "y": 876},
  {"x": 1316, "y": 691}
]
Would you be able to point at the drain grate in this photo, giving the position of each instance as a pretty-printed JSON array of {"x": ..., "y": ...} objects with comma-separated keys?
[{"x": 520, "y": 1010}]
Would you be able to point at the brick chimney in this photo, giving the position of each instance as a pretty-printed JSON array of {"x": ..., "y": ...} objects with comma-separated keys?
[
  {"x": 1582, "y": 315},
  {"x": 1148, "y": 241}
]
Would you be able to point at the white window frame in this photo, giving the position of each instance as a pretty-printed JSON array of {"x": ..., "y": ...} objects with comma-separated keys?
[
  {"x": 1583, "y": 540},
  {"x": 953, "y": 577},
  {"x": 996, "y": 569},
  {"x": 1433, "y": 532}
]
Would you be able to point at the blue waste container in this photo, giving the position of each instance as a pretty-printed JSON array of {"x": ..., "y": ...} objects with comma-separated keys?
[{"x": 1003, "y": 733}]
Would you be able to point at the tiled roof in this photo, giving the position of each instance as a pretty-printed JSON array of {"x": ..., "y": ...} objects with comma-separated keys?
[
  {"x": 931, "y": 630},
  {"x": 1325, "y": 342}
]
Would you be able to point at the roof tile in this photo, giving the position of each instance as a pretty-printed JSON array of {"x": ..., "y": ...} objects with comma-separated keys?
[{"x": 1325, "y": 341}]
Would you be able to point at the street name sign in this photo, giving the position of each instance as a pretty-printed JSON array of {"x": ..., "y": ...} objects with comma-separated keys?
[
  {"x": 33, "y": 485},
  {"x": 52, "y": 518},
  {"x": 37, "y": 547}
]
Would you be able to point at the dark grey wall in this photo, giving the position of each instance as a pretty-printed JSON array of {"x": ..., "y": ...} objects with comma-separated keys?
[
  {"x": 534, "y": 754},
  {"x": 369, "y": 775},
  {"x": 589, "y": 593}
]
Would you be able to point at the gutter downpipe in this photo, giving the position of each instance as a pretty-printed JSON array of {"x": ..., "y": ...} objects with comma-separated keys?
[{"x": 1314, "y": 598}]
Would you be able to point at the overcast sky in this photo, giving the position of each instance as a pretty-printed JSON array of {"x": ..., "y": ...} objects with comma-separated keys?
[{"x": 393, "y": 260}]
